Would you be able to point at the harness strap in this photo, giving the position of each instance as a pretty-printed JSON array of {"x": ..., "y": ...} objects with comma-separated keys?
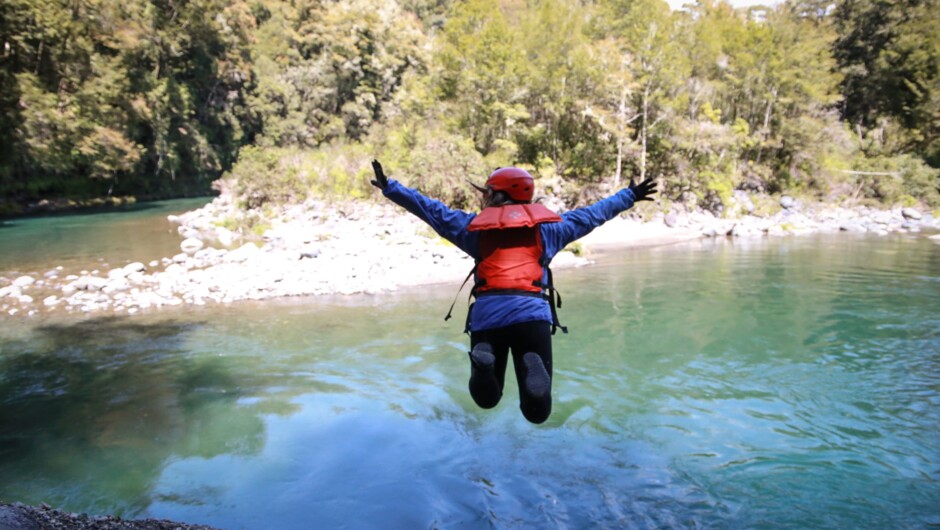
[
  {"x": 465, "y": 280},
  {"x": 554, "y": 300},
  {"x": 553, "y": 297}
]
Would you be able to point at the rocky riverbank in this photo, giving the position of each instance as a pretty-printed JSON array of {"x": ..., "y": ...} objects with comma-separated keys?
[
  {"x": 319, "y": 248},
  {"x": 23, "y": 517}
]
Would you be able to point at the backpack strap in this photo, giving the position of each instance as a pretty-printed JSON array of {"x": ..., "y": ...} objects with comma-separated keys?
[
  {"x": 462, "y": 285},
  {"x": 554, "y": 299}
]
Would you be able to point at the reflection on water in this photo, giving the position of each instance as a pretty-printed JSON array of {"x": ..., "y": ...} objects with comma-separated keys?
[{"x": 787, "y": 383}]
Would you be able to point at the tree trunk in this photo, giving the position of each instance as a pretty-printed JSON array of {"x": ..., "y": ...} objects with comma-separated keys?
[
  {"x": 622, "y": 111},
  {"x": 646, "y": 100},
  {"x": 765, "y": 130}
]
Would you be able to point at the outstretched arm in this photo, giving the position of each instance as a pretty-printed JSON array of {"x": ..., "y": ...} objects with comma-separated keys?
[
  {"x": 580, "y": 222},
  {"x": 448, "y": 223}
]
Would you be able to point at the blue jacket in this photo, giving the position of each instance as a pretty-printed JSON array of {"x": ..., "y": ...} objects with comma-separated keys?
[{"x": 497, "y": 311}]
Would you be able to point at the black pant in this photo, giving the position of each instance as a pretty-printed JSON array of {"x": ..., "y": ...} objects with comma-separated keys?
[{"x": 487, "y": 387}]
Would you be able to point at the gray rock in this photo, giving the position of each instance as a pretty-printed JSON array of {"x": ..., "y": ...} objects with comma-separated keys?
[
  {"x": 309, "y": 253},
  {"x": 242, "y": 253},
  {"x": 190, "y": 245},
  {"x": 787, "y": 202},
  {"x": 225, "y": 236},
  {"x": 671, "y": 220},
  {"x": 136, "y": 266},
  {"x": 24, "y": 281},
  {"x": 853, "y": 227},
  {"x": 90, "y": 283},
  {"x": 911, "y": 213},
  {"x": 175, "y": 269},
  {"x": 119, "y": 284}
]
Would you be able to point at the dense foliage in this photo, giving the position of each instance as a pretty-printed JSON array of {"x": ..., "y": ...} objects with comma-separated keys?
[{"x": 288, "y": 98}]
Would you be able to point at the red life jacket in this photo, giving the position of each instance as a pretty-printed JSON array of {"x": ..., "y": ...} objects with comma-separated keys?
[
  {"x": 511, "y": 255},
  {"x": 511, "y": 247}
]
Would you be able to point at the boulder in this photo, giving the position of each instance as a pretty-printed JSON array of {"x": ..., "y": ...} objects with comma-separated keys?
[
  {"x": 852, "y": 227},
  {"x": 24, "y": 281},
  {"x": 242, "y": 253},
  {"x": 309, "y": 252},
  {"x": 911, "y": 213},
  {"x": 671, "y": 220},
  {"x": 787, "y": 202},
  {"x": 131, "y": 268},
  {"x": 89, "y": 283},
  {"x": 190, "y": 245},
  {"x": 225, "y": 236}
]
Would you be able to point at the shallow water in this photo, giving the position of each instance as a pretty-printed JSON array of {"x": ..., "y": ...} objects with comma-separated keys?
[
  {"x": 787, "y": 383},
  {"x": 111, "y": 236}
]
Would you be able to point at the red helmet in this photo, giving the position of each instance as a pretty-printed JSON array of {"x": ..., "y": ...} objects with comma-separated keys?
[{"x": 515, "y": 182}]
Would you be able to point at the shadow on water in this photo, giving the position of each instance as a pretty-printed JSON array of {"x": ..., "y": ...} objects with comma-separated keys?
[{"x": 100, "y": 405}]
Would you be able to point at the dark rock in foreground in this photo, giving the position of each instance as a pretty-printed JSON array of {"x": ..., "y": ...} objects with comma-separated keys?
[{"x": 22, "y": 517}]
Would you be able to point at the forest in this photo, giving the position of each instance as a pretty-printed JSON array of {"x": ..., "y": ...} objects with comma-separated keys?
[{"x": 281, "y": 100}]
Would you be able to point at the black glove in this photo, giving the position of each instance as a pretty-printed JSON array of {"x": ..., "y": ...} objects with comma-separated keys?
[
  {"x": 643, "y": 190},
  {"x": 380, "y": 181}
]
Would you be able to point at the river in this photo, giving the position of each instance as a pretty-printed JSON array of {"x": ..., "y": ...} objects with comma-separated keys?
[{"x": 765, "y": 383}]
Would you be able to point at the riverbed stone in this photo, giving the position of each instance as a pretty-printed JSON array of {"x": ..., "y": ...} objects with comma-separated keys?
[
  {"x": 911, "y": 213},
  {"x": 242, "y": 253},
  {"x": 24, "y": 281},
  {"x": 787, "y": 202},
  {"x": 174, "y": 269},
  {"x": 671, "y": 219},
  {"x": 225, "y": 237},
  {"x": 89, "y": 283},
  {"x": 115, "y": 285},
  {"x": 853, "y": 227},
  {"x": 133, "y": 267},
  {"x": 310, "y": 252},
  {"x": 191, "y": 244}
]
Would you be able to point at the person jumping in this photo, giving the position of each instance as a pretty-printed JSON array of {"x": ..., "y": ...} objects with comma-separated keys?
[{"x": 512, "y": 241}]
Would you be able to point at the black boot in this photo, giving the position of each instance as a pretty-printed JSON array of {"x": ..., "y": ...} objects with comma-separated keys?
[
  {"x": 537, "y": 381},
  {"x": 482, "y": 357}
]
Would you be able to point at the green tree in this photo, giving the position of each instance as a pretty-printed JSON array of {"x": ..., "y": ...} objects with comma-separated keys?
[
  {"x": 326, "y": 71},
  {"x": 889, "y": 53},
  {"x": 646, "y": 32},
  {"x": 479, "y": 66}
]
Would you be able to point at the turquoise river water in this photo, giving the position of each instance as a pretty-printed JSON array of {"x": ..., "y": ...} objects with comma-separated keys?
[{"x": 771, "y": 383}]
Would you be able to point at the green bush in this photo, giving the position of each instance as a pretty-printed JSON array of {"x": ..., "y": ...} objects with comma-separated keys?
[
  {"x": 428, "y": 157},
  {"x": 277, "y": 176},
  {"x": 910, "y": 180}
]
